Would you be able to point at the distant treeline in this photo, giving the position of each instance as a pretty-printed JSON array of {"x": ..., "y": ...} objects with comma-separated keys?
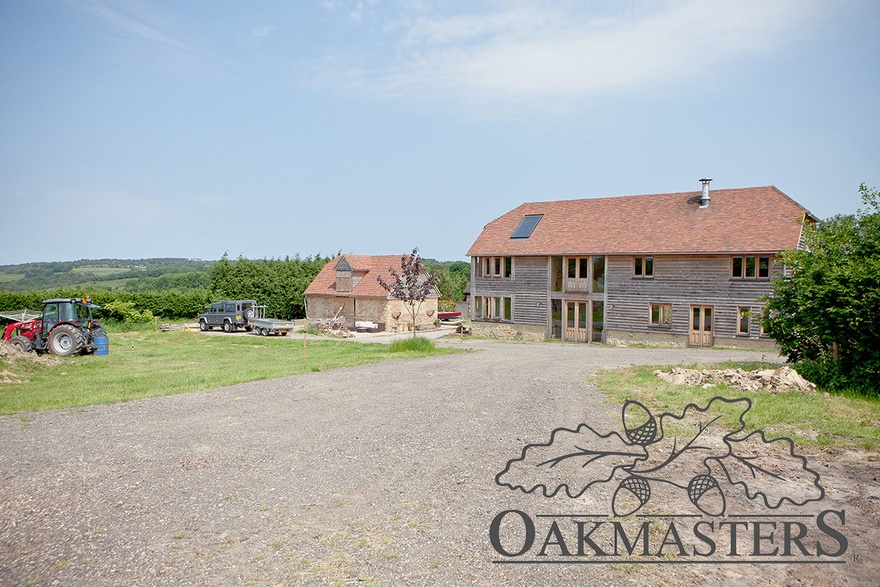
[{"x": 182, "y": 295}]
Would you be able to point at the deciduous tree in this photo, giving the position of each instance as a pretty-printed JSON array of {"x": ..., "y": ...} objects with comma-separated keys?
[
  {"x": 825, "y": 313},
  {"x": 412, "y": 285}
]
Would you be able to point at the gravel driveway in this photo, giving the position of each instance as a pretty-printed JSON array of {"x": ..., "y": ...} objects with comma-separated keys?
[{"x": 379, "y": 474}]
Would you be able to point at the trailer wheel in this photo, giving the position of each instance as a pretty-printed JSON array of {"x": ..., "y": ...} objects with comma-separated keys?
[
  {"x": 283, "y": 333},
  {"x": 264, "y": 331},
  {"x": 65, "y": 340},
  {"x": 22, "y": 343}
]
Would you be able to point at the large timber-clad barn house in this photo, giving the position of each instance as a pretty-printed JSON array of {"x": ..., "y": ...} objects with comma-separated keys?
[{"x": 683, "y": 267}]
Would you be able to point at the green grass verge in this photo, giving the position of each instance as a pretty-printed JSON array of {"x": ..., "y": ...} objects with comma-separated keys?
[
  {"x": 815, "y": 420},
  {"x": 145, "y": 363}
]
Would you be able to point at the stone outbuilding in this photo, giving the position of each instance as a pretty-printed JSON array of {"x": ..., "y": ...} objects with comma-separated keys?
[{"x": 349, "y": 285}]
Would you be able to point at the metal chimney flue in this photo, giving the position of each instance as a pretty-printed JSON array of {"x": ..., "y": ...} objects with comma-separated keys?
[{"x": 705, "y": 199}]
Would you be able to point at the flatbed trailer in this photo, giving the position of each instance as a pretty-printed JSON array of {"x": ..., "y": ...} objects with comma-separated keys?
[{"x": 266, "y": 326}]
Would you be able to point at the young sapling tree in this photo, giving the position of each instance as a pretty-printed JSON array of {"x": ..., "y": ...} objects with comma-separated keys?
[{"x": 412, "y": 285}]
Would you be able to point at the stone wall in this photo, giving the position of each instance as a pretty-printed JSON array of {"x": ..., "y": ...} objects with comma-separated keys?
[
  {"x": 666, "y": 339},
  {"x": 507, "y": 330},
  {"x": 393, "y": 313}
]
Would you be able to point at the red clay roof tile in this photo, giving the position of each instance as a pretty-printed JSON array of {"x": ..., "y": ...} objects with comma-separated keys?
[
  {"x": 371, "y": 266},
  {"x": 759, "y": 219}
]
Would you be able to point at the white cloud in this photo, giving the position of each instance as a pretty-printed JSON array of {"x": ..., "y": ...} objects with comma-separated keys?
[
  {"x": 521, "y": 51},
  {"x": 137, "y": 23}
]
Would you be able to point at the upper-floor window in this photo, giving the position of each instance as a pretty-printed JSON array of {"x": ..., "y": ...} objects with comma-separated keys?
[
  {"x": 497, "y": 266},
  {"x": 750, "y": 267},
  {"x": 643, "y": 266}
]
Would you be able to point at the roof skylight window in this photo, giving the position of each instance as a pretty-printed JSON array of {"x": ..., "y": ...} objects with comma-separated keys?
[{"x": 527, "y": 226}]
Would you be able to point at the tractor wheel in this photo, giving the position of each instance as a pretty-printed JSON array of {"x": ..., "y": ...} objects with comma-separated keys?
[
  {"x": 66, "y": 340},
  {"x": 22, "y": 343},
  {"x": 203, "y": 325},
  {"x": 227, "y": 326}
]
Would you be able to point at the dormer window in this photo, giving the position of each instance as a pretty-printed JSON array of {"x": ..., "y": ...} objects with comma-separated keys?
[
  {"x": 344, "y": 280},
  {"x": 526, "y": 226}
]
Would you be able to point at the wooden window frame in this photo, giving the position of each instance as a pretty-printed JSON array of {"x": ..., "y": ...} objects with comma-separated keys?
[
  {"x": 740, "y": 267},
  {"x": 640, "y": 266},
  {"x": 660, "y": 312},
  {"x": 743, "y": 312},
  {"x": 496, "y": 308},
  {"x": 581, "y": 266},
  {"x": 501, "y": 267}
]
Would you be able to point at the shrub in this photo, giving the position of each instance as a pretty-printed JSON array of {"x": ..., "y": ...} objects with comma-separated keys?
[{"x": 126, "y": 312}]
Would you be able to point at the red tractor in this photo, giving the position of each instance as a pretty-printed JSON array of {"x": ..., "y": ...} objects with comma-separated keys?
[{"x": 64, "y": 328}]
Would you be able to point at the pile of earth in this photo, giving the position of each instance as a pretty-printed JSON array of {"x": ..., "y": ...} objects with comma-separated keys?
[
  {"x": 10, "y": 354},
  {"x": 781, "y": 380}
]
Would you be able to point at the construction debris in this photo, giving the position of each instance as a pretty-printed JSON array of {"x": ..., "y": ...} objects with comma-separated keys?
[{"x": 781, "y": 380}]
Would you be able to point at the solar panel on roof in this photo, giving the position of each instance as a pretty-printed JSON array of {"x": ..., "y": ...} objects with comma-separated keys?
[{"x": 527, "y": 226}]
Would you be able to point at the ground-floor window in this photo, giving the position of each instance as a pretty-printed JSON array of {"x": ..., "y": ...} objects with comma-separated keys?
[
  {"x": 494, "y": 308},
  {"x": 660, "y": 315},
  {"x": 556, "y": 319},
  {"x": 743, "y": 322}
]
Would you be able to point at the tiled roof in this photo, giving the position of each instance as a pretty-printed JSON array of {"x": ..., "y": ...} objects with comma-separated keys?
[
  {"x": 371, "y": 266},
  {"x": 759, "y": 219}
]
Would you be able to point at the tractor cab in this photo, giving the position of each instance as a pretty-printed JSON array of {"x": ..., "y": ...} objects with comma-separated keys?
[{"x": 72, "y": 310}]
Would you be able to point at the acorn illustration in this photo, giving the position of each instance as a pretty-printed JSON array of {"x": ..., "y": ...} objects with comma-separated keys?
[
  {"x": 644, "y": 432},
  {"x": 704, "y": 492},
  {"x": 630, "y": 496}
]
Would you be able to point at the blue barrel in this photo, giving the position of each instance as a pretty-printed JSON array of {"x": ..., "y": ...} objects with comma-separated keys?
[{"x": 103, "y": 344}]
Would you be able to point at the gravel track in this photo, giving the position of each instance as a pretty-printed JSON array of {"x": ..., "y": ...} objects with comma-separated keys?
[{"x": 379, "y": 474}]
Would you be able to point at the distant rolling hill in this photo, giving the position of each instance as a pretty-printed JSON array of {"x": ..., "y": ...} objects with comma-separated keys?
[{"x": 129, "y": 274}]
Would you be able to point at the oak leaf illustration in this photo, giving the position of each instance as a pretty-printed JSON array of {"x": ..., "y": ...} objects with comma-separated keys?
[
  {"x": 677, "y": 449},
  {"x": 572, "y": 460}
]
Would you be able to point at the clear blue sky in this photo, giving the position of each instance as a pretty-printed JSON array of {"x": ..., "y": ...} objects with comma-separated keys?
[{"x": 159, "y": 128}]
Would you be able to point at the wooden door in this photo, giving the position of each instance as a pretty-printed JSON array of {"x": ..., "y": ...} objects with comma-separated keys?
[
  {"x": 701, "y": 326},
  {"x": 576, "y": 321}
]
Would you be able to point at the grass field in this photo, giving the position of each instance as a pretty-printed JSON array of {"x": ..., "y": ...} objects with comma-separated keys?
[
  {"x": 101, "y": 271},
  {"x": 146, "y": 364},
  {"x": 815, "y": 419}
]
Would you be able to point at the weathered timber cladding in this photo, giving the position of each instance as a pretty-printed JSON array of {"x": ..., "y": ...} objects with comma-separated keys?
[
  {"x": 527, "y": 286},
  {"x": 530, "y": 308},
  {"x": 680, "y": 280}
]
